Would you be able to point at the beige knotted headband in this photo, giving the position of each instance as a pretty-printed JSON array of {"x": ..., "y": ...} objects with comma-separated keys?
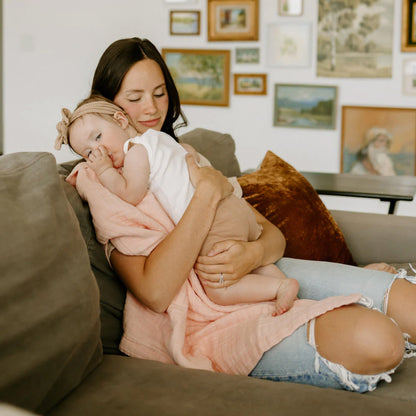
[{"x": 92, "y": 107}]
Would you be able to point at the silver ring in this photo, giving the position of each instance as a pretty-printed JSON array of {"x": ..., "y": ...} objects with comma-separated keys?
[{"x": 221, "y": 279}]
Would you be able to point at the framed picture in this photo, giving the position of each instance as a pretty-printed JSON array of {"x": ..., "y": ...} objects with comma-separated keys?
[
  {"x": 247, "y": 55},
  {"x": 202, "y": 76},
  {"x": 309, "y": 106},
  {"x": 253, "y": 84},
  {"x": 378, "y": 140},
  {"x": 288, "y": 44},
  {"x": 355, "y": 39},
  {"x": 233, "y": 20},
  {"x": 290, "y": 7},
  {"x": 409, "y": 26},
  {"x": 185, "y": 22},
  {"x": 409, "y": 76}
]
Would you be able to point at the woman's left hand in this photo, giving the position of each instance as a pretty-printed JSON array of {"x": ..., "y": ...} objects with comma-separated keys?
[{"x": 233, "y": 259}]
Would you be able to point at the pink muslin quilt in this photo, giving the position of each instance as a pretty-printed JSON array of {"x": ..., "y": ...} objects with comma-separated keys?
[{"x": 193, "y": 332}]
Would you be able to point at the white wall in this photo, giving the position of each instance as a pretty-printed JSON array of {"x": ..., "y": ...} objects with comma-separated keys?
[{"x": 51, "y": 48}]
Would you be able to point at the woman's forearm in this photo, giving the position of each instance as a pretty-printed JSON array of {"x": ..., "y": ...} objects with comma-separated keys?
[{"x": 155, "y": 280}]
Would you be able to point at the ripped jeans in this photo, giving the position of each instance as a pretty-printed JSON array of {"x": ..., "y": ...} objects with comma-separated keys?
[{"x": 295, "y": 359}]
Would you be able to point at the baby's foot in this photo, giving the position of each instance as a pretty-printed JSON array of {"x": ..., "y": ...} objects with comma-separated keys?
[{"x": 286, "y": 295}]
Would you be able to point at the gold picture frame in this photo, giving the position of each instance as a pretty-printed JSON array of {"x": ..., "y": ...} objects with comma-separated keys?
[
  {"x": 362, "y": 125},
  {"x": 250, "y": 84},
  {"x": 184, "y": 22},
  {"x": 409, "y": 26},
  {"x": 202, "y": 76},
  {"x": 233, "y": 20}
]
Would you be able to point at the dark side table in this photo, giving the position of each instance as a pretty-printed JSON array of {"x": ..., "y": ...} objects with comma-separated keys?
[{"x": 386, "y": 188}]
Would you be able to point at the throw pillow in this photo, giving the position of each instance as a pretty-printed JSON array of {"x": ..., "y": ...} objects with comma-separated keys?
[{"x": 288, "y": 200}]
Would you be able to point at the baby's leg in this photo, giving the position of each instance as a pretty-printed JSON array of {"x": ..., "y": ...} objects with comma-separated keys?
[{"x": 258, "y": 287}]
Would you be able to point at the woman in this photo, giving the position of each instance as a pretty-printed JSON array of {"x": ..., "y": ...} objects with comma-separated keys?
[{"x": 356, "y": 346}]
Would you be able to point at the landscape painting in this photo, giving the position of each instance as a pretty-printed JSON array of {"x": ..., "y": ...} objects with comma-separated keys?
[
  {"x": 308, "y": 106},
  {"x": 355, "y": 38},
  {"x": 202, "y": 76}
]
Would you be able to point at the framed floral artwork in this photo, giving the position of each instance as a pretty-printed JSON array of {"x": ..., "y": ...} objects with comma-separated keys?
[
  {"x": 202, "y": 76},
  {"x": 289, "y": 44},
  {"x": 290, "y": 7},
  {"x": 233, "y": 20}
]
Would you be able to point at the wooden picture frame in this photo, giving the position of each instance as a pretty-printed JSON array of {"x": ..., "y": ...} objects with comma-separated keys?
[
  {"x": 305, "y": 106},
  {"x": 233, "y": 20},
  {"x": 289, "y": 44},
  {"x": 409, "y": 76},
  {"x": 250, "y": 84},
  {"x": 409, "y": 26},
  {"x": 395, "y": 132},
  {"x": 290, "y": 7},
  {"x": 202, "y": 76},
  {"x": 185, "y": 22}
]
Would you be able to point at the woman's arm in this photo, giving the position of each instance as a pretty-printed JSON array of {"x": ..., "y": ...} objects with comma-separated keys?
[
  {"x": 235, "y": 259},
  {"x": 155, "y": 280}
]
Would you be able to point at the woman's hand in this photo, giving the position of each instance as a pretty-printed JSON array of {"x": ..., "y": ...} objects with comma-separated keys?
[
  {"x": 231, "y": 259},
  {"x": 207, "y": 179},
  {"x": 228, "y": 261}
]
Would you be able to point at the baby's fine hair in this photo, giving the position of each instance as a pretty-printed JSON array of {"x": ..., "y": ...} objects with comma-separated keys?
[{"x": 95, "y": 104}]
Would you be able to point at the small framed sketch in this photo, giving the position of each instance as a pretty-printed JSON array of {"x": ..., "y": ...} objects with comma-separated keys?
[
  {"x": 378, "y": 140},
  {"x": 185, "y": 22},
  {"x": 247, "y": 55},
  {"x": 233, "y": 20},
  {"x": 289, "y": 44},
  {"x": 250, "y": 84},
  {"x": 290, "y": 7},
  {"x": 202, "y": 76},
  {"x": 409, "y": 26},
  {"x": 309, "y": 106},
  {"x": 409, "y": 76}
]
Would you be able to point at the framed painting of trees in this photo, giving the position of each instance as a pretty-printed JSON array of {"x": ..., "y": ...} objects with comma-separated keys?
[
  {"x": 355, "y": 38},
  {"x": 202, "y": 76}
]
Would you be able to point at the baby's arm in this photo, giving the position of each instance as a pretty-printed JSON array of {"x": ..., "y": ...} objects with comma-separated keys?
[{"x": 132, "y": 184}]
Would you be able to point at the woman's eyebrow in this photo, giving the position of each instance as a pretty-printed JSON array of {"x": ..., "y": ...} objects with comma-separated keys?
[{"x": 137, "y": 90}]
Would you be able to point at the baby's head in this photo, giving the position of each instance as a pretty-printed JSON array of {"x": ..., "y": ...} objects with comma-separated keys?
[{"x": 96, "y": 121}]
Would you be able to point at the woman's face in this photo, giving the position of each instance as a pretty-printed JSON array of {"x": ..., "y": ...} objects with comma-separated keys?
[{"x": 143, "y": 95}]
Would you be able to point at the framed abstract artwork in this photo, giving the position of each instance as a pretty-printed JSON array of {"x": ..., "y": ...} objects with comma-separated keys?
[{"x": 202, "y": 76}]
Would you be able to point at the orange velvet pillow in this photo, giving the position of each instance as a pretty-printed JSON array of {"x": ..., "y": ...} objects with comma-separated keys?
[{"x": 288, "y": 200}]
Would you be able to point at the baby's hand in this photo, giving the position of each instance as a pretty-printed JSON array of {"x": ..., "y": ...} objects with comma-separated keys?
[{"x": 99, "y": 160}]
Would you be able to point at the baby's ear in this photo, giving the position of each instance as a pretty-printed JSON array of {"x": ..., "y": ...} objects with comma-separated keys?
[{"x": 121, "y": 119}]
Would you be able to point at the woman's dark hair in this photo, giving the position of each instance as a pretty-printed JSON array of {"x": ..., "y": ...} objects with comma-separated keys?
[{"x": 116, "y": 61}]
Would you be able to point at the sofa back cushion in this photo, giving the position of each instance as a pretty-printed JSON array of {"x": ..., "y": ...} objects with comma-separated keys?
[{"x": 50, "y": 326}]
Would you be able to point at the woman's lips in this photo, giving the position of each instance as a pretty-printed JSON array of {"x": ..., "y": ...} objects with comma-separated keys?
[{"x": 150, "y": 123}]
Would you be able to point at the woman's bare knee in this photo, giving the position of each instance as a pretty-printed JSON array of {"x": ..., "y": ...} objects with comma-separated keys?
[{"x": 363, "y": 340}]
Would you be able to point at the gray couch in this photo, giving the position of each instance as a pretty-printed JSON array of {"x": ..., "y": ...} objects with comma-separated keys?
[{"x": 62, "y": 305}]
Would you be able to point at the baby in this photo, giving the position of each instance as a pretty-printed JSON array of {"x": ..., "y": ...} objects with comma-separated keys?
[{"x": 129, "y": 164}]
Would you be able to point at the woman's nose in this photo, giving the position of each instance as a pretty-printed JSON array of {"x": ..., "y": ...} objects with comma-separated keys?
[{"x": 150, "y": 105}]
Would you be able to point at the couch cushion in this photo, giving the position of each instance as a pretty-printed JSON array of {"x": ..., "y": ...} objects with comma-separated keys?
[
  {"x": 49, "y": 320},
  {"x": 112, "y": 291},
  {"x": 218, "y": 148},
  {"x": 286, "y": 198}
]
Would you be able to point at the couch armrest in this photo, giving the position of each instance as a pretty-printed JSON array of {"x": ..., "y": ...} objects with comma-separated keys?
[{"x": 378, "y": 237}]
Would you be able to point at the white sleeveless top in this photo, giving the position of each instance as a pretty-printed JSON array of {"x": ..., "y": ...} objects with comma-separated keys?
[{"x": 169, "y": 177}]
